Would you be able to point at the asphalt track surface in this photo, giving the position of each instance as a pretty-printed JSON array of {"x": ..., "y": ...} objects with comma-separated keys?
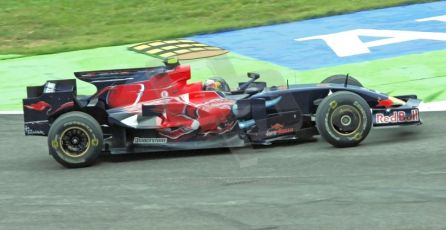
[{"x": 395, "y": 180}]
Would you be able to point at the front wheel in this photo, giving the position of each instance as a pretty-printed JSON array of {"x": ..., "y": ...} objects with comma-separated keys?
[
  {"x": 343, "y": 119},
  {"x": 75, "y": 140}
]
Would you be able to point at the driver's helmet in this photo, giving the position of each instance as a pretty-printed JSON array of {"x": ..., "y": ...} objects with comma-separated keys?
[
  {"x": 216, "y": 84},
  {"x": 171, "y": 62}
]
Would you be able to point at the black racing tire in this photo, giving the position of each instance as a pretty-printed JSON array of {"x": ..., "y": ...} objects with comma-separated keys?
[
  {"x": 343, "y": 119},
  {"x": 75, "y": 140},
  {"x": 224, "y": 85},
  {"x": 340, "y": 79}
]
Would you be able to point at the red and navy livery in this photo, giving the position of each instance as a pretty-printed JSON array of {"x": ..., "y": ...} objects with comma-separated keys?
[{"x": 157, "y": 109}]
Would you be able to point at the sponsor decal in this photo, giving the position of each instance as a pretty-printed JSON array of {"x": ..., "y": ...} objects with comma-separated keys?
[
  {"x": 357, "y": 136},
  {"x": 38, "y": 106},
  {"x": 164, "y": 94},
  {"x": 36, "y": 122},
  {"x": 148, "y": 141},
  {"x": 333, "y": 104},
  {"x": 29, "y": 131},
  {"x": 94, "y": 141},
  {"x": 50, "y": 88},
  {"x": 397, "y": 117},
  {"x": 36, "y": 127},
  {"x": 349, "y": 43},
  {"x": 55, "y": 143},
  {"x": 278, "y": 129}
]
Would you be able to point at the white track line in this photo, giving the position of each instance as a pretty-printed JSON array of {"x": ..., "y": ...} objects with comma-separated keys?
[
  {"x": 433, "y": 106},
  {"x": 11, "y": 112}
]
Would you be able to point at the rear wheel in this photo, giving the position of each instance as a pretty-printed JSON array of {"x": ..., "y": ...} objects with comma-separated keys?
[
  {"x": 344, "y": 119},
  {"x": 75, "y": 140},
  {"x": 340, "y": 79}
]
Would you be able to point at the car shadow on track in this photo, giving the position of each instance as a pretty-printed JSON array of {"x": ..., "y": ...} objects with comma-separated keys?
[
  {"x": 388, "y": 136},
  {"x": 377, "y": 138},
  {"x": 200, "y": 152}
]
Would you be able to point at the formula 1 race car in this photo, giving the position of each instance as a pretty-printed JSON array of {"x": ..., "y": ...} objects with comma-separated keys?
[{"x": 156, "y": 109}]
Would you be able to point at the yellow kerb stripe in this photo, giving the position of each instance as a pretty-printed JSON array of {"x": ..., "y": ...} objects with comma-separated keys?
[
  {"x": 156, "y": 43},
  {"x": 185, "y": 40},
  {"x": 199, "y": 44},
  {"x": 167, "y": 54},
  {"x": 154, "y": 51},
  {"x": 181, "y": 51},
  {"x": 141, "y": 47},
  {"x": 197, "y": 49},
  {"x": 169, "y": 47}
]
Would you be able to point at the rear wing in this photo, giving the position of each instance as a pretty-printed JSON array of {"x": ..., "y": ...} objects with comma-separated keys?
[
  {"x": 44, "y": 101},
  {"x": 104, "y": 78}
]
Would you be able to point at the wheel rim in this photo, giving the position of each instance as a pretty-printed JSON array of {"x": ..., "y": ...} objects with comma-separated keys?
[
  {"x": 75, "y": 142},
  {"x": 346, "y": 120}
]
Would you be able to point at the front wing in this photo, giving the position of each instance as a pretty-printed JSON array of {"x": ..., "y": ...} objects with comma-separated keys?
[{"x": 407, "y": 114}]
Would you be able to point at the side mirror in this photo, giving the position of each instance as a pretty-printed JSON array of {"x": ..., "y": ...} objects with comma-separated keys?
[{"x": 254, "y": 76}]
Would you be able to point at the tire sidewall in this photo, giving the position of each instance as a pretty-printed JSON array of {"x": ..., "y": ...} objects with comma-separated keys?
[
  {"x": 324, "y": 117},
  {"x": 92, "y": 130}
]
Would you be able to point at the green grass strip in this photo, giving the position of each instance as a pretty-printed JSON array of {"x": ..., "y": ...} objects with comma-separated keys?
[{"x": 51, "y": 26}]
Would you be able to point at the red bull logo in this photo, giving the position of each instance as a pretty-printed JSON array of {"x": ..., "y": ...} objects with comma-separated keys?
[{"x": 397, "y": 117}]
